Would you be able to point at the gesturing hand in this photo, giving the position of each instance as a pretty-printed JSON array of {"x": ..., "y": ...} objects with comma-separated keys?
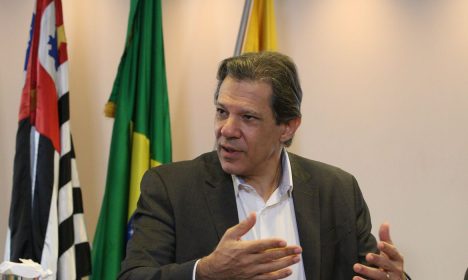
[
  {"x": 389, "y": 262},
  {"x": 233, "y": 258}
]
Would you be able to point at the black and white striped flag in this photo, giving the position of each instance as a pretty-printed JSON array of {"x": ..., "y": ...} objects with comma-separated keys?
[{"x": 46, "y": 221}]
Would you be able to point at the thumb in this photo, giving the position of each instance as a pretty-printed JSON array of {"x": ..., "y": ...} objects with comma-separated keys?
[
  {"x": 237, "y": 231},
  {"x": 384, "y": 233}
]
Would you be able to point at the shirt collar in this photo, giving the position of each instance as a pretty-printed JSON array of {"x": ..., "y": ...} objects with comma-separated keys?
[{"x": 286, "y": 183}]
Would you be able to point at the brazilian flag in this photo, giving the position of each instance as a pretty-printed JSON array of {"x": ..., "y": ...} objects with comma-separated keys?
[{"x": 141, "y": 136}]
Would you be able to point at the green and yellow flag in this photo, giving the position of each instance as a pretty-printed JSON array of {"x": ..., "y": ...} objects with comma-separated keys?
[{"x": 141, "y": 136}]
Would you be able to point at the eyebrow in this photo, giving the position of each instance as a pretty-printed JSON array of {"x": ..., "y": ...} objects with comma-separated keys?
[{"x": 242, "y": 111}]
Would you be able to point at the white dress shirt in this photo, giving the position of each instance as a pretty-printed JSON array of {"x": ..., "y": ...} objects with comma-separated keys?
[{"x": 275, "y": 217}]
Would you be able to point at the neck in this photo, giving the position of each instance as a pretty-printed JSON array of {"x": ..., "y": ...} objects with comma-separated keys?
[{"x": 266, "y": 185}]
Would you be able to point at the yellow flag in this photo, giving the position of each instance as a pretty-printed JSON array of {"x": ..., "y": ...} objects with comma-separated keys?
[{"x": 261, "y": 29}]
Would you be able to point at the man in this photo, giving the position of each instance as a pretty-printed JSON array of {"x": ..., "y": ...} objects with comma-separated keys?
[{"x": 252, "y": 210}]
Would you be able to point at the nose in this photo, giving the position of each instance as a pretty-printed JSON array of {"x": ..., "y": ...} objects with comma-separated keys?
[{"x": 229, "y": 128}]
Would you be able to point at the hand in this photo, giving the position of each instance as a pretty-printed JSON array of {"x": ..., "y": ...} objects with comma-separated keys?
[
  {"x": 389, "y": 262},
  {"x": 233, "y": 258}
]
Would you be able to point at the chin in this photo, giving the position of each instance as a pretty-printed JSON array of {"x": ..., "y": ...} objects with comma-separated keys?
[{"x": 231, "y": 168}]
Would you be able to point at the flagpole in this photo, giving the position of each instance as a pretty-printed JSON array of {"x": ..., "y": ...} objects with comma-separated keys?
[{"x": 243, "y": 27}]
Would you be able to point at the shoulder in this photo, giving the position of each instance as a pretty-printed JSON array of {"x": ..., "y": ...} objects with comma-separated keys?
[
  {"x": 198, "y": 168},
  {"x": 172, "y": 180},
  {"x": 317, "y": 169},
  {"x": 202, "y": 161},
  {"x": 336, "y": 188},
  {"x": 331, "y": 181}
]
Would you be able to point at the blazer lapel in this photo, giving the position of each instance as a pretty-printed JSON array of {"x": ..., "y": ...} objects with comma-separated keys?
[
  {"x": 306, "y": 207},
  {"x": 221, "y": 201},
  {"x": 220, "y": 197}
]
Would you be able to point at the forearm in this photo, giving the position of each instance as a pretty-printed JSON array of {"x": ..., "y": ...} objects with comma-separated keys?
[{"x": 166, "y": 272}]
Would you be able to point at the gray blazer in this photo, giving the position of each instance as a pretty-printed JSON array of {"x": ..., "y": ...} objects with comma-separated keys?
[{"x": 185, "y": 208}]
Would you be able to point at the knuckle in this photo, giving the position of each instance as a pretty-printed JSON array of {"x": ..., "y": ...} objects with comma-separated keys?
[
  {"x": 402, "y": 258},
  {"x": 230, "y": 230}
]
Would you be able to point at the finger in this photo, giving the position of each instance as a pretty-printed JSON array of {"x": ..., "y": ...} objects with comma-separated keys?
[
  {"x": 277, "y": 265},
  {"x": 237, "y": 231},
  {"x": 384, "y": 233},
  {"x": 280, "y": 274},
  {"x": 266, "y": 245},
  {"x": 381, "y": 261},
  {"x": 391, "y": 251},
  {"x": 277, "y": 253},
  {"x": 369, "y": 272}
]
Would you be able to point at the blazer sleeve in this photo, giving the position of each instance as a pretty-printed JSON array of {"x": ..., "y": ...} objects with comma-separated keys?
[
  {"x": 366, "y": 241},
  {"x": 151, "y": 250}
]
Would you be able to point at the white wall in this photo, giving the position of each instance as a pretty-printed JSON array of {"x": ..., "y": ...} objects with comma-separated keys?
[{"x": 386, "y": 98}]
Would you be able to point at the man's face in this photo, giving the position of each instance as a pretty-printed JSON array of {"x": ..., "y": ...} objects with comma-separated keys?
[{"x": 249, "y": 141}]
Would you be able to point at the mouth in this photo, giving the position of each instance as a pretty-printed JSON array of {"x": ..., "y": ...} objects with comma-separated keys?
[{"x": 228, "y": 151}]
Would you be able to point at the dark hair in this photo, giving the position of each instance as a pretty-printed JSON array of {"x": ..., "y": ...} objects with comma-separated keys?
[{"x": 274, "y": 68}]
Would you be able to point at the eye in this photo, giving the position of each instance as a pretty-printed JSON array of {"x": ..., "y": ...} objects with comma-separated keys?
[
  {"x": 220, "y": 112},
  {"x": 249, "y": 117}
]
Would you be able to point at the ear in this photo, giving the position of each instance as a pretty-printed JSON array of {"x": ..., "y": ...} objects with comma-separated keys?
[{"x": 289, "y": 129}]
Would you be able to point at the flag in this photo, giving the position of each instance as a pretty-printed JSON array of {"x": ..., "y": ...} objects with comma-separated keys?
[
  {"x": 46, "y": 221},
  {"x": 257, "y": 31},
  {"x": 141, "y": 136}
]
